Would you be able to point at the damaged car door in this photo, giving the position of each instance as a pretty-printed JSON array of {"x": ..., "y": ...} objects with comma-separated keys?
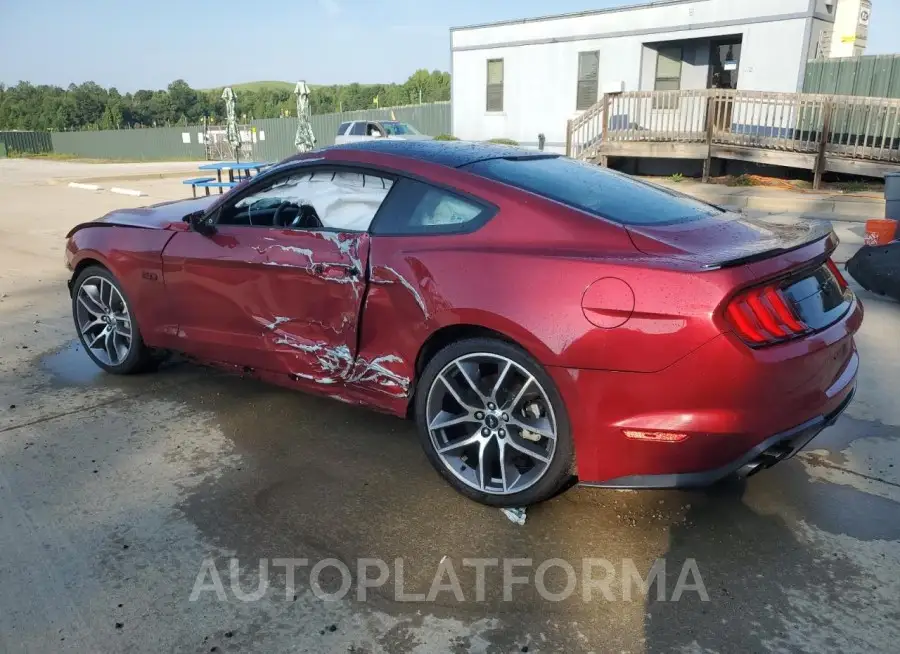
[{"x": 279, "y": 283}]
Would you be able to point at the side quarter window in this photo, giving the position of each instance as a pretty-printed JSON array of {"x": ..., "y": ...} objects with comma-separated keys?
[
  {"x": 418, "y": 208},
  {"x": 358, "y": 129}
]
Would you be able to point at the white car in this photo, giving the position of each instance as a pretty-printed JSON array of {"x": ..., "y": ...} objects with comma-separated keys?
[{"x": 366, "y": 130}]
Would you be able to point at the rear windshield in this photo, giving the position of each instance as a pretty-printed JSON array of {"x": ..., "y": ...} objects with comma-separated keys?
[{"x": 596, "y": 190}]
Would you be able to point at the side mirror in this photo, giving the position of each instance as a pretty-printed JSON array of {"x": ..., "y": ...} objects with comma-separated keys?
[{"x": 201, "y": 223}]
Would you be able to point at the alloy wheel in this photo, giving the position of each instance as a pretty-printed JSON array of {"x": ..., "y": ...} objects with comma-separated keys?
[
  {"x": 491, "y": 423},
  {"x": 103, "y": 320}
]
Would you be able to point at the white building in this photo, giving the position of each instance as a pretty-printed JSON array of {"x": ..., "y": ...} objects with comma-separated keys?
[{"x": 517, "y": 79}]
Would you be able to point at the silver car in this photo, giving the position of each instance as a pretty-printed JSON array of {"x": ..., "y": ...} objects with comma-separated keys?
[{"x": 366, "y": 130}]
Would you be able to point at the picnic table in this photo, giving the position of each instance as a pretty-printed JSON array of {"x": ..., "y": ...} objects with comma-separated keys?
[
  {"x": 242, "y": 169},
  {"x": 208, "y": 183}
]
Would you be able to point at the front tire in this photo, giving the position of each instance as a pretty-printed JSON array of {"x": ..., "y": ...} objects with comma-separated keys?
[
  {"x": 493, "y": 424},
  {"x": 105, "y": 324}
]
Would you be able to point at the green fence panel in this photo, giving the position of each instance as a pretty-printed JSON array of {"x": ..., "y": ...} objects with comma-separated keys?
[
  {"x": 812, "y": 78},
  {"x": 275, "y": 136},
  {"x": 893, "y": 85},
  {"x": 846, "y": 76},
  {"x": 27, "y": 142},
  {"x": 158, "y": 143},
  {"x": 871, "y": 75},
  {"x": 864, "y": 80},
  {"x": 271, "y": 139}
]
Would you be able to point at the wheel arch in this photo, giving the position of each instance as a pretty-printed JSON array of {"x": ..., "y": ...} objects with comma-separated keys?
[
  {"x": 474, "y": 326},
  {"x": 86, "y": 262},
  {"x": 86, "y": 259}
]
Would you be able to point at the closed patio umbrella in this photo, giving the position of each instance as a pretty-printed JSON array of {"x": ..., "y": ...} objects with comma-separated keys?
[
  {"x": 305, "y": 141},
  {"x": 232, "y": 133}
]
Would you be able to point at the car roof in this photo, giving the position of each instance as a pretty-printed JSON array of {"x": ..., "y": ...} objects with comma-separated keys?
[{"x": 454, "y": 154}]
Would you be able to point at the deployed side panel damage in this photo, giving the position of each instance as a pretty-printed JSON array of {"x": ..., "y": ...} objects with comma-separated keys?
[{"x": 314, "y": 330}]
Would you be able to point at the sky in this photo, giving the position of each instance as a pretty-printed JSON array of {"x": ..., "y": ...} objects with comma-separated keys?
[{"x": 148, "y": 43}]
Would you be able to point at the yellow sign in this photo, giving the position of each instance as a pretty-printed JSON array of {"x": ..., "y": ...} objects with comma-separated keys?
[{"x": 848, "y": 39}]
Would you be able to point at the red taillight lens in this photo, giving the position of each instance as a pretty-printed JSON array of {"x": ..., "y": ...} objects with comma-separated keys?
[
  {"x": 762, "y": 316},
  {"x": 837, "y": 274}
]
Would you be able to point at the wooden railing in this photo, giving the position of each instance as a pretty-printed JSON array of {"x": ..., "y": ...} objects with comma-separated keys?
[{"x": 734, "y": 124}]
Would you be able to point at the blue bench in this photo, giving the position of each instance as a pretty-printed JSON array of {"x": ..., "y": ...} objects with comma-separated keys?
[
  {"x": 219, "y": 185},
  {"x": 196, "y": 181}
]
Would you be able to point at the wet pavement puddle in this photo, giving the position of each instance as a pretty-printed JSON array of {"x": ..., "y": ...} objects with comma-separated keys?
[{"x": 71, "y": 365}]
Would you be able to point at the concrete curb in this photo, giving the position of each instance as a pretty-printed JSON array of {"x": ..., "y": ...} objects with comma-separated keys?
[
  {"x": 169, "y": 174},
  {"x": 177, "y": 174},
  {"x": 84, "y": 187},
  {"x": 852, "y": 209}
]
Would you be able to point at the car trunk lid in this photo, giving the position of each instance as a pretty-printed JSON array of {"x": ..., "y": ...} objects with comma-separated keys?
[{"x": 793, "y": 288}]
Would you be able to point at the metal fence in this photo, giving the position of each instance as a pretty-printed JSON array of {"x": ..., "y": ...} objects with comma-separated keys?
[
  {"x": 29, "y": 142},
  {"x": 270, "y": 139},
  {"x": 138, "y": 144},
  {"x": 872, "y": 75},
  {"x": 275, "y": 136}
]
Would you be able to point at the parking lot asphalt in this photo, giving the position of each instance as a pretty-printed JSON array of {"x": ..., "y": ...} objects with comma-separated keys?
[{"x": 121, "y": 497}]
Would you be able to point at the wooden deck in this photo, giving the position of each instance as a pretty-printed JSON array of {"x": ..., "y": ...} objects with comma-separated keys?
[{"x": 845, "y": 134}]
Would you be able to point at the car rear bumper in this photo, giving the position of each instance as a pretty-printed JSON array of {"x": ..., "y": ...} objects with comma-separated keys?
[
  {"x": 728, "y": 407},
  {"x": 779, "y": 447}
]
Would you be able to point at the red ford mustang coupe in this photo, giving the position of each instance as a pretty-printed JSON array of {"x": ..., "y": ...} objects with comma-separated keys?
[{"x": 541, "y": 319}]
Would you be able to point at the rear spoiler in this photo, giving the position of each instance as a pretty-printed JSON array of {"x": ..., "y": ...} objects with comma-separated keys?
[
  {"x": 787, "y": 235},
  {"x": 832, "y": 244}
]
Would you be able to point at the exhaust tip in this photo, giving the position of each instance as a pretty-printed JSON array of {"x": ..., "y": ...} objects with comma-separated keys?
[{"x": 749, "y": 469}]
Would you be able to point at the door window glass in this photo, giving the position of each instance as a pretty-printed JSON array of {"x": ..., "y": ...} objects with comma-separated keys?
[{"x": 331, "y": 199}]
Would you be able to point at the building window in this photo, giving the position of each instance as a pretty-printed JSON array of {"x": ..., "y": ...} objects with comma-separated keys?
[
  {"x": 588, "y": 71},
  {"x": 495, "y": 85},
  {"x": 668, "y": 76}
]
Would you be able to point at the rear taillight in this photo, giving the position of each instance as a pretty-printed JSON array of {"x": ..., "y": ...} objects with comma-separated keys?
[
  {"x": 762, "y": 316},
  {"x": 837, "y": 274}
]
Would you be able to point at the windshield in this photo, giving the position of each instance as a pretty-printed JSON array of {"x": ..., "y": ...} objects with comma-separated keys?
[
  {"x": 596, "y": 190},
  {"x": 399, "y": 129}
]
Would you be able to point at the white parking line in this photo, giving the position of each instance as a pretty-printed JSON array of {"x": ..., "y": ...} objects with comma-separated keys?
[{"x": 126, "y": 191}]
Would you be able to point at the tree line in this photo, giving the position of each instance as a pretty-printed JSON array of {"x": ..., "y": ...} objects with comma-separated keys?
[{"x": 25, "y": 106}]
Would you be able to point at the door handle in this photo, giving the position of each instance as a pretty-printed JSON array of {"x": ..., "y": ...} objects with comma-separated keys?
[{"x": 335, "y": 270}]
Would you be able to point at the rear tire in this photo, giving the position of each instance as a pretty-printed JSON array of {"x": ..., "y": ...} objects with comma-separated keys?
[
  {"x": 493, "y": 424},
  {"x": 105, "y": 324}
]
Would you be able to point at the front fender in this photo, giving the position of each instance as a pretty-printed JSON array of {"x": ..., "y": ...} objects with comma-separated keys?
[{"x": 134, "y": 257}]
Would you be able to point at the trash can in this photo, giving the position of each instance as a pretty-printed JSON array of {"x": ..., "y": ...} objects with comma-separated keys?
[
  {"x": 2, "y": 150},
  {"x": 892, "y": 196}
]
